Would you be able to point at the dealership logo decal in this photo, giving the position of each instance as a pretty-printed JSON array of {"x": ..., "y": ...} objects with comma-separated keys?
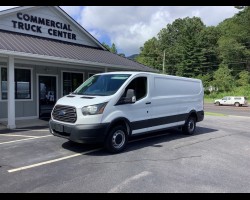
[{"x": 33, "y": 23}]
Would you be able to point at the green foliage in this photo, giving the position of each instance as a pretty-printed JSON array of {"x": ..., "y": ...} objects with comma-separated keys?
[
  {"x": 112, "y": 49},
  {"x": 218, "y": 55},
  {"x": 180, "y": 40},
  {"x": 236, "y": 91},
  {"x": 244, "y": 78},
  {"x": 223, "y": 79},
  {"x": 206, "y": 79},
  {"x": 150, "y": 54},
  {"x": 106, "y": 45}
]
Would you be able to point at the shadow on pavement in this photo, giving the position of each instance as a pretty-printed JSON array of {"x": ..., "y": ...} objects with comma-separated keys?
[{"x": 137, "y": 142}]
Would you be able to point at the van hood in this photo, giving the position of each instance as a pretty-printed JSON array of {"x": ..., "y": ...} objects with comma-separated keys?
[{"x": 80, "y": 101}]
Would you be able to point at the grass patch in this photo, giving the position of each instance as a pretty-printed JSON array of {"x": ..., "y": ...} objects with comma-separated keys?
[
  {"x": 215, "y": 114},
  {"x": 208, "y": 100}
]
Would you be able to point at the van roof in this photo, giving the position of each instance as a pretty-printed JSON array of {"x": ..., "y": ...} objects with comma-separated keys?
[{"x": 154, "y": 74}]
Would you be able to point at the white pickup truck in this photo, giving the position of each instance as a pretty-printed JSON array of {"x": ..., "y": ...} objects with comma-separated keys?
[{"x": 231, "y": 100}]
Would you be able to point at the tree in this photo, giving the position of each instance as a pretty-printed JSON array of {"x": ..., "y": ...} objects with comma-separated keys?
[
  {"x": 106, "y": 46},
  {"x": 206, "y": 80},
  {"x": 218, "y": 55},
  {"x": 180, "y": 40},
  {"x": 112, "y": 49},
  {"x": 150, "y": 54},
  {"x": 122, "y": 54},
  {"x": 234, "y": 44},
  {"x": 244, "y": 78},
  {"x": 223, "y": 79}
]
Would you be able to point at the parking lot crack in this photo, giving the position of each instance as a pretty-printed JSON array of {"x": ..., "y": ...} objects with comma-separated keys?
[{"x": 213, "y": 138}]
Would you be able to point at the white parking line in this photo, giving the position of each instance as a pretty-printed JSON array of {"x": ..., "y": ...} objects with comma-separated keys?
[
  {"x": 41, "y": 130},
  {"x": 51, "y": 161},
  {"x": 10, "y": 135},
  {"x": 35, "y": 130},
  {"x": 35, "y": 137},
  {"x": 119, "y": 187}
]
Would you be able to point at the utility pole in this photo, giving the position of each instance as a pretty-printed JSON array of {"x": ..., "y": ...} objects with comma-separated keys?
[{"x": 163, "y": 64}]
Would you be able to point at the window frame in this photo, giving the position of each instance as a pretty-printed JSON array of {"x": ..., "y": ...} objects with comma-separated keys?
[
  {"x": 67, "y": 71},
  {"x": 31, "y": 84},
  {"x": 147, "y": 89}
]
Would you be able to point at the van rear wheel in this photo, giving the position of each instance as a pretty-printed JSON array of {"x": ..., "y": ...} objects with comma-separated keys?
[
  {"x": 190, "y": 126},
  {"x": 117, "y": 139},
  {"x": 217, "y": 103},
  {"x": 237, "y": 104}
]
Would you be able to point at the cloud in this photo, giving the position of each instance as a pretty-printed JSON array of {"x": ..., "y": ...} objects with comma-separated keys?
[
  {"x": 73, "y": 11},
  {"x": 6, "y": 7},
  {"x": 130, "y": 26}
]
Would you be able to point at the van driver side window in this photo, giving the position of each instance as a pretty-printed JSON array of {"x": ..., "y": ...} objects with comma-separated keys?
[{"x": 139, "y": 85}]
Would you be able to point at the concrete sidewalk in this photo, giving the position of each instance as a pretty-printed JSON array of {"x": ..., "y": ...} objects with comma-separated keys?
[{"x": 28, "y": 123}]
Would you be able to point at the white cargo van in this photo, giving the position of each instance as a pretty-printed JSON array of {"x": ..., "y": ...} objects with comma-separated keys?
[{"x": 110, "y": 107}]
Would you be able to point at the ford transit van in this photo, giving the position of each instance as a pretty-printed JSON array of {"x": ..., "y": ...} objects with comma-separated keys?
[{"x": 111, "y": 107}]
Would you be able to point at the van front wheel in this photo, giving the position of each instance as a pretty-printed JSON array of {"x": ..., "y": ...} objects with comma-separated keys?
[
  {"x": 190, "y": 126},
  {"x": 117, "y": 139},
  {"x": 217, "y": 103}
]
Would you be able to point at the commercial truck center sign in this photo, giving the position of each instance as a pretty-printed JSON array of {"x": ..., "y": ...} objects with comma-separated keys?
[{"x": 33, "y": 23}]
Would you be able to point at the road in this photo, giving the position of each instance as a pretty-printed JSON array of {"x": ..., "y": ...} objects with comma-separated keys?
[
  {"x": 228, "y": 110},
  {"x": 215, "y": 159}
]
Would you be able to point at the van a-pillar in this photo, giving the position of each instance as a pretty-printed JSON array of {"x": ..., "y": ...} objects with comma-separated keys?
[{"x": 11, "y": 94}]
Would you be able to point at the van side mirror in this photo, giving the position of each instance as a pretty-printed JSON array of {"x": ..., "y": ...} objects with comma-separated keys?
[
  {"x": 130, "y": 95},
  {"x": 129, "y": 98}
]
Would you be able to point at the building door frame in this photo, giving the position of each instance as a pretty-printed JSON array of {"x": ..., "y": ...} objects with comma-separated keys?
[{"x": 38, "y": 91}]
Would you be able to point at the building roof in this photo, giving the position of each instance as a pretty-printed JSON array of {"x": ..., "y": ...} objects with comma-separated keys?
[{"x": 27, "y": 44}]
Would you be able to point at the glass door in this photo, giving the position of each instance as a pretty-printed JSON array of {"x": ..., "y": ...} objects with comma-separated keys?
[{"x": 47, "y": 95}]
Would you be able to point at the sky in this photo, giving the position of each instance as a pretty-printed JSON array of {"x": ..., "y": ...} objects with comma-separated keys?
[{"x": 129, "y": 27}]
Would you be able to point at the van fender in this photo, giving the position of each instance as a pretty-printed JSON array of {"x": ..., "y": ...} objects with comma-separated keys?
[
  {"x": 119, "y": 120},
  {"x": 192, "y": 113},
  {"x": 198, "y": 115}
]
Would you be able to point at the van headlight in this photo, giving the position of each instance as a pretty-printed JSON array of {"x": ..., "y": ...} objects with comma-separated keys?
[{"x": 94, "y": 109}]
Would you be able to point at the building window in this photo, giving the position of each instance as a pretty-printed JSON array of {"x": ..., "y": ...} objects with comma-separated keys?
[
  {"x": 4, "y": 83},
  {"x": 71, "y": 81},
  {"x": 22, "y": 83}
]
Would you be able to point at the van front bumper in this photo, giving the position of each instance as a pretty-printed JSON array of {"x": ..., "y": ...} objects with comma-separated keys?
[{"x": 82, "y": 133}]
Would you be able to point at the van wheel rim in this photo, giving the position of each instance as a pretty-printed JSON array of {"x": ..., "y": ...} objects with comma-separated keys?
[
  {"x": 118, "y": 139},
  {"x": 191, "y": 126}
]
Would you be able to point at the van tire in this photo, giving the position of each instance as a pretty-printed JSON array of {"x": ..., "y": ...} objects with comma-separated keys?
[
  {"x": 190, "y": 126},
  {"x": 117, "y": 139},
  {"x": 237, "y": 104}
]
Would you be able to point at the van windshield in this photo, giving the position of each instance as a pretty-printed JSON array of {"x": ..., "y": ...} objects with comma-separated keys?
[{"x": 102, "y": 85}]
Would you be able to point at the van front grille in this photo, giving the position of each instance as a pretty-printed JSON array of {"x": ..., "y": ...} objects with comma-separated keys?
[{"x": 65, "y": 113}]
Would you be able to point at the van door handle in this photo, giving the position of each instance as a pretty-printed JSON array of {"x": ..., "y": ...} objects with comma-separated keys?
[{"x": 148, "y": 103}]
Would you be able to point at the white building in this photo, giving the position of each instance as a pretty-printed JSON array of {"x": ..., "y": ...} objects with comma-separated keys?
[{"x": 44, "y": 55}]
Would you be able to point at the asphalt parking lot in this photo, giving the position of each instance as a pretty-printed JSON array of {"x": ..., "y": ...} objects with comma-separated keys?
[{"x": 215, "y": 159}]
